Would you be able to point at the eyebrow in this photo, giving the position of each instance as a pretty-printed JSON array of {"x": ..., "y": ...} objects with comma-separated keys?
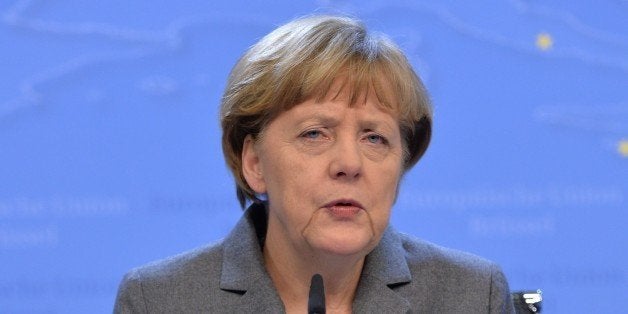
[
  {"x": 367, "y": 123},
  {"x": 320, "y": 117},
  {"x": 372, "y": 124}
]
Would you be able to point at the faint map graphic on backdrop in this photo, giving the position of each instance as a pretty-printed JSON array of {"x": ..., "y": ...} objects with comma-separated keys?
[
  {"x": 167, "y": 39},
  {"x": 615, "y": 46}
]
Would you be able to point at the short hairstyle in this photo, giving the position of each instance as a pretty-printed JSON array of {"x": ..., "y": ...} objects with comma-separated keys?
[{"x": 299, "y": 61}]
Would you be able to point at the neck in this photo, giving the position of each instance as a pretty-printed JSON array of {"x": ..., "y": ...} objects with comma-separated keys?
[{"x": 291, "y": 271}]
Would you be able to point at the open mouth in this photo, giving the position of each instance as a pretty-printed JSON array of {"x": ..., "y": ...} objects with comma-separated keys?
[
  {"x": 344, "y": 208},
  {"x": 344, "y": 204}
]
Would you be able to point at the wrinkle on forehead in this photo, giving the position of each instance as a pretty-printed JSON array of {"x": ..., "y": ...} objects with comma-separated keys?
[{"x": 360, "y": 92}]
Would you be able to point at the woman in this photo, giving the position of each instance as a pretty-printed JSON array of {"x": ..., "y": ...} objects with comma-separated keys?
[{"x": 320, "y": 121}]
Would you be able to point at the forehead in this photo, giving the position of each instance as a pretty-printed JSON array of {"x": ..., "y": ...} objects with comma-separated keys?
[
  {"x": 336, "y": 108},
  {"x": 370, "y": 94}
]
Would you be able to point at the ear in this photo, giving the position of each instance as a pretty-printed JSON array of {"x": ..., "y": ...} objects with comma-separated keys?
[{"x": 251, "y": 168}]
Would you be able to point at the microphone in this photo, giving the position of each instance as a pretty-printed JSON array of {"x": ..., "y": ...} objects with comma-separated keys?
[{"x": 316, "y": 302}]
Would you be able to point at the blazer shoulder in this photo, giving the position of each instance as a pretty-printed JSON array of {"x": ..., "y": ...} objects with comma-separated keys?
[
  {"x": 198, "y": 260},
  {"x": 171, "y": 281},
  {"x": 424, "y": 253},
  {"x": 467, "y": 282}
]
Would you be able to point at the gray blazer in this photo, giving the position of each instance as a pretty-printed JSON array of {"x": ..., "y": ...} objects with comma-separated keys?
[{"x": 402, "y": 274}]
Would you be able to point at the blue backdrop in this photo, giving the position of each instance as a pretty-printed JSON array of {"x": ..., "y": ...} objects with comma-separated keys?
[{"x": 110, "y": 146}]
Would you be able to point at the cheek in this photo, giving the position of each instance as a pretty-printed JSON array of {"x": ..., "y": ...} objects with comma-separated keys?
[
  {"x": 389, "y": 181},
  {"x": 287, "y": 175}
]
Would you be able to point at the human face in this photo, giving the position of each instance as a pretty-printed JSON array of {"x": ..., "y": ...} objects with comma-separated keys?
[{"x": 330, "y": 172}]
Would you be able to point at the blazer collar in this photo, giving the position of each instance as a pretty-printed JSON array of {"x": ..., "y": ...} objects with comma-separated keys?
[
  {"x": 243, "y": 271},
  {"x": 385, "y": 268}
]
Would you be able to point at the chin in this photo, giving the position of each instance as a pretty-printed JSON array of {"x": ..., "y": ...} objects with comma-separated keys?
[
  {"x": 346, "y": 250},
  {"x": 344, "y": 244}
]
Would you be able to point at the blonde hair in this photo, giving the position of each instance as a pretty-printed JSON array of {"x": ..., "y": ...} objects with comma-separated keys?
[{"x": 299, "y": 61}]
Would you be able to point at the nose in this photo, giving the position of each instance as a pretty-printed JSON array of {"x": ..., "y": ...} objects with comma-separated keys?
[{"x": 346, "y": 160}]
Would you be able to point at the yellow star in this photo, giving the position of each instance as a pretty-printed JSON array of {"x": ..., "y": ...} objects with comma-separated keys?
[
  {"x": 544, "y": 41},
  {"x": 622, "y": 148}
]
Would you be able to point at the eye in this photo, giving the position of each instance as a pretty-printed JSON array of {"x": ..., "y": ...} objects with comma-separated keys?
[
  {"x": 375, "y": 138},
  {"x": 312, "y": 134}
]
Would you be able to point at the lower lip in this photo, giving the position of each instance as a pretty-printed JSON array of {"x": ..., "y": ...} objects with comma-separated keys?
[{"x": 343, "y": 211}]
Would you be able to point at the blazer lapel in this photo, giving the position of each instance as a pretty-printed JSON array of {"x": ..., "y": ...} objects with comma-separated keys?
[
  {"x": 384, "y": 269},
  {"x": 374, "y": 296},
  {"x": 260, "y": 298},
  {"x": 243, "y": 273},
  {"x": 243, "y": 270}
]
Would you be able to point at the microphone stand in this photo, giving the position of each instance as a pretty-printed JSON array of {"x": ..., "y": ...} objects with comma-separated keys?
[{"x": 316, "y": 301}]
